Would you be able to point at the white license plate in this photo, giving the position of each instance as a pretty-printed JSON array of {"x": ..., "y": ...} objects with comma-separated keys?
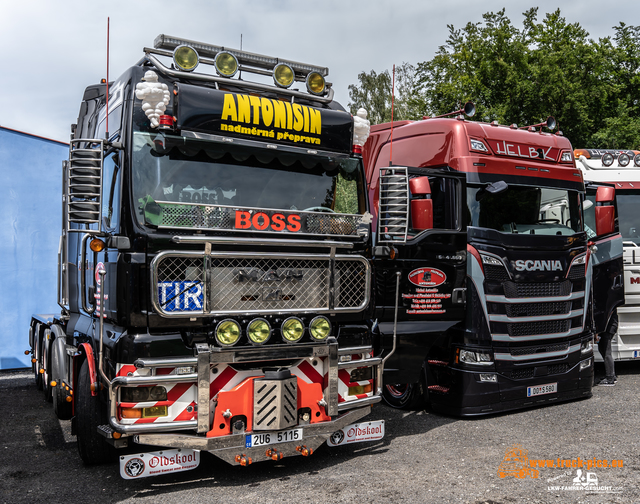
[
  {"x": 549, "y": 388},
  {"x": 269, "y": 438}
]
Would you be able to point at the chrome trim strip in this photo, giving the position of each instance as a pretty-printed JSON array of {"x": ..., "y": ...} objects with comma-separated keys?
[
  {"x": 535, "y": 337},
  {"x": 504, "y": 299},
  {"x": 367, "y": 401},
  {"x": 540, "y": 318},
  {"x": 355, "y": 350},
  {"x": 171, "y": 361},
  {"x": 232, "y": 240},
  {"x": 124, "y": 381},
  {"x": 374, "y": 361},
  {"x": 535, "y": 356}
]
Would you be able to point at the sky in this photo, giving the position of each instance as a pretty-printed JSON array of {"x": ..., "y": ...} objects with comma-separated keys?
[{"x": 54, "y": 49}]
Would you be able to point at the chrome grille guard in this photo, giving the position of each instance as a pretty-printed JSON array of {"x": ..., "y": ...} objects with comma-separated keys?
[{"x": 201, "y": 283}]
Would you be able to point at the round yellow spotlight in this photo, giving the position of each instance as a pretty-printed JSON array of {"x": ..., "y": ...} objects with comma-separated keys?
[
  {"x": 226, "y": 64},
  {"x": 320, "y": 328},
  {"x": 283, "y": 75},
  {"x": 258, "y": 331},
  {"x": 292, "y": 330},
  {"x": 315, "y": 83},
  {"x": 186, "y": 58},
  {"x": 97, "y": 245},
  {"x": 228, "y": 332}
]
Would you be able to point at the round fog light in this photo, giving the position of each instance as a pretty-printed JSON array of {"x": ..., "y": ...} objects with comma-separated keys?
[
  {"x": 292, "y": 330},
  {"x": 320, "y": 328},
  {"x": 228, "y": 332},
  {"x": 258, "y": 331},
  {"x": 283, "y": 75},
  {"x": 315, "y": 83},
  {"x": 186, "y": 58},
  {"x": 226, "y": 64}
]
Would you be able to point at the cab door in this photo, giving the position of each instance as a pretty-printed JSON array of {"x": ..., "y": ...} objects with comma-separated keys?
[
  {"x": 605, "y": 245},
  {"x": 420, "y": 263}
]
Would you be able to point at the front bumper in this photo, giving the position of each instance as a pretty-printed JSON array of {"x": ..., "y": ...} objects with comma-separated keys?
[
  {"x": 230, "y": 448},
  {"x": 468, "y": 396}
]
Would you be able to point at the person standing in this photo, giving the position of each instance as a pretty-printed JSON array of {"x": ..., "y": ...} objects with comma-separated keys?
[{"x": 604, "y": 347}]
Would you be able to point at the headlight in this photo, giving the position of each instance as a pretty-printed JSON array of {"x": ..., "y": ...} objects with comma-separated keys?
[
  {"x": 258, "y": 331},
  {"x": 479, "y": 358},
  {"x": 228, "y": 332},
  {"x": 493, "y": 261},
  {"x": 586, "y": 347},
  {"x": 320, "y": 328},
  {"x": 292, "y": 330},
  {"x": 585, "y": 364},
  {"x": 141, "y": 394}
]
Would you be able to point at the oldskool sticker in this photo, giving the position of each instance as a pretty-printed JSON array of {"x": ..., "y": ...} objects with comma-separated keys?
[
  {"x": 143, "y": 465},
  {"x": 427, "y": 277},
  {"x": 357, "y": 433}
]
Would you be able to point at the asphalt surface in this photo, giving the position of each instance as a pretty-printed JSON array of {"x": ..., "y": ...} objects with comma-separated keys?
[{"x": 424, "y": 457}]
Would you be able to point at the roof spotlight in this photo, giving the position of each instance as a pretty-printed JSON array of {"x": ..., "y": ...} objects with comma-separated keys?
[
  {"x": 623, "y": 159},
  {"x": 607, "y": 159},
  {"x": 636, "y": 160},
  {"x": 283, "y": 75},
  {"x": 226, "y": 64},
  {"x": 186, "y": 58},
  {"x": 315, "y": 83}
]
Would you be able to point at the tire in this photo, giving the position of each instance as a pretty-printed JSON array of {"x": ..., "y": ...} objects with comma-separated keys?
[
  {"x": 403, "y": 395},
  {"x": 46, "y": 365},
  {"x": 62, "y": 408},
  {"x": 90, "y": 413}
]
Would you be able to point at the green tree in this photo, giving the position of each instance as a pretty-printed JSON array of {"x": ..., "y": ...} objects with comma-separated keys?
[
  {"x": 522, "y": 75},
  {"x": 373, "y": 93}
]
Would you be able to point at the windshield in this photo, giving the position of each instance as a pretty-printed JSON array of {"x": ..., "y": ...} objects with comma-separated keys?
[
  {"x": 183, "y": 170},
  {"x": 628, "y": 214},
  {"x": 525, "y": 209}
]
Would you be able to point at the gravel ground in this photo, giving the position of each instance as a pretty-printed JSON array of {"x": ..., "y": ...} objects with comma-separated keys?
[{"x": 424, "y": 457}]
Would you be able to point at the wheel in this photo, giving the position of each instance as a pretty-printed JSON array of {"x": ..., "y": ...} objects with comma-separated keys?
[
  {"x": 90, "y": 413},
  {"x": 46, "y": 365},
  {"x": 403, "y": 395},
  {"x": 62, "y": 408}
]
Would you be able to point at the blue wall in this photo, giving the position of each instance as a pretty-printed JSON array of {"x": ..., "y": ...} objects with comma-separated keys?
[{"x": 30, "y": 222}]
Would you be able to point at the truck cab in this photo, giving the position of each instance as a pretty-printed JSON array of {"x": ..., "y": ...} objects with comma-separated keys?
[{"x": 482, "y": 225}]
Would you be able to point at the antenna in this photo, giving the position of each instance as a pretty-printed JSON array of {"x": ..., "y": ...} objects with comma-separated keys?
[
  {"x": 107, "y": 128},
  {"x": 393, "y": 86}
]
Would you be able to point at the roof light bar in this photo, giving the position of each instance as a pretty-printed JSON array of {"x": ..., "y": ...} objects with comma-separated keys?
[{"x": 244, "y": 57}]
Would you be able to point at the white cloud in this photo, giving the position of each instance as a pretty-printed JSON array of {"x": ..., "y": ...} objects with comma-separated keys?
[{"x": 53, "y": 50}]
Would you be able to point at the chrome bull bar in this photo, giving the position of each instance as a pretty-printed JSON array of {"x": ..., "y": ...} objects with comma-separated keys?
[{"x": 207, "y": 355}]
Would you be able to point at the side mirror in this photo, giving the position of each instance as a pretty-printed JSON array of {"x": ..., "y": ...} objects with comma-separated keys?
[
  {"x": 605, "y": 210},
  {"x": 421, "y": 203}
]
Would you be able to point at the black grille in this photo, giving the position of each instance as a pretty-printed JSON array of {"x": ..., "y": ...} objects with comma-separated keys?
[
  {"x": 495, "y": 273},
  {"x": 531, "y": 328},
  {"x": 537, "y": 309},
  {"x": 520, "y": 290},
  {"x": 558, "y": 368},
  {"x": 561, "y": 347},
  {"x": 576, "y": 272},
  {"x": 521, "y": 374}
]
